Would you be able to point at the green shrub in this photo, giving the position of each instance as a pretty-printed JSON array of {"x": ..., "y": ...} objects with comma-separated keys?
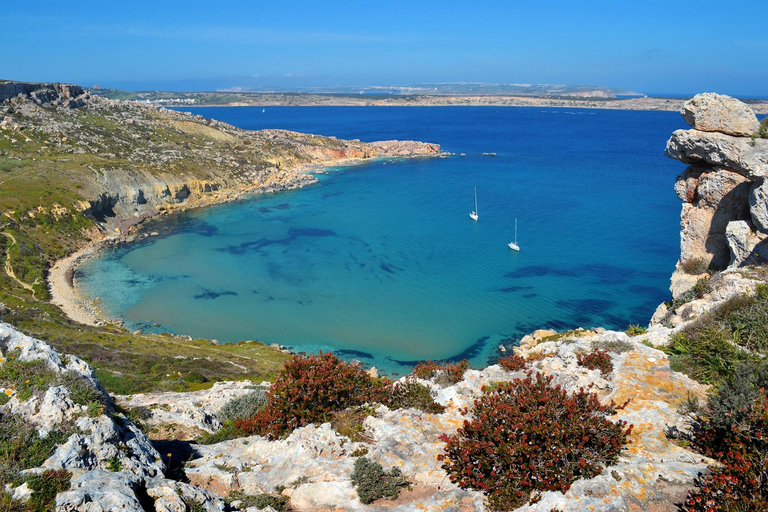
[
  {"x": 529, "y": 435},
  {"x": 596, "y": 360},
  {"x": 26, "y": 377},
  {"x": 707, "y": 356},
  {"x": 227, "y": 431},
  {"x": 81, "y": 390},
  {"x": 709, "y": 349},
  {"x": 45, "y": 487},
  {"x": 635, "y": 330},
  {"x": 762, "y": 132},
  {"x": 260, "y": 501},
  {"x": 733, "y": 429},
  {"x": 310, "y": 389},
  {"x": 244, "y": 406},
  {"x": 747, "y": 318},
  {"x": 694, "y": 266},
  {"x": 349, "y": 423},
  {"x": 701, "y": 288},
  {"x": 372, "y": 482},
  {"x": 412, "y": 394},
  {"x": 512, "y": 363},
  {"x": 115, "y": 464},
  {"x": 442, "y": 373},
  {"x": 21, "y": 447},
  {"x": 8, "y": 504}
]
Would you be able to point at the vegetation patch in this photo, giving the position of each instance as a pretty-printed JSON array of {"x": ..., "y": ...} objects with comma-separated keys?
[
  {"x": 25, "y": 378},
  {"x": 512, "y": 363},
  {"x": 373, "y": 483},
  {"x": 349, "y": 423},
  {"x": 442, "y": 373},
  {"x": 694, "y": 266},
  {"x": 21, "y": 447},
  {"x": 635, "y": 330},
  {"x": 529, "y": 435},
  {"x": 411, "y": 394},
  {"x": 597, "y": 360},
  {"x": 762, "y": 132},
  {"x": 702, "y": 287},
  {"x": 260, "y": 501},
  {"x": 45, "y": 487},
  {"x": 244, "y": 406},
  {"x": 310, "y": 389},
  {"x": 710, "y": 349},
  {"x": 733, "y": 429}
]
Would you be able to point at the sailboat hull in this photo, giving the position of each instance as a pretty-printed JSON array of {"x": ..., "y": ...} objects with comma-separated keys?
[
  {"x": 514, "y": 247},
  {"x": 473, "y": 216}
]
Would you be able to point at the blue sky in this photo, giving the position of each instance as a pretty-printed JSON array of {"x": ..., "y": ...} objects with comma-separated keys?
[{"x": 653, "y": 47}]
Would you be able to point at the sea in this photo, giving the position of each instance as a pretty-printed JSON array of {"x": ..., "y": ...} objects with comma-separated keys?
[{"x": 381, "y": 263}]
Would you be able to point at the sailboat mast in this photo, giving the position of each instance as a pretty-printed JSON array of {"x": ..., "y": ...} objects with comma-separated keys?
[
  {"x": 476, "y": 212},
  {"x": 515, "y": 230}
]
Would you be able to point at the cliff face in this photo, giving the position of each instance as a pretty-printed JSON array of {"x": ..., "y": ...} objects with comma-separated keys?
[
  {"x": 41, "y": 93},
  {"x": 724, "y": 220}
]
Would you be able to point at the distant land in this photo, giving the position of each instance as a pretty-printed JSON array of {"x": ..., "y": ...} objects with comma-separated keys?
[{"x": 438, "y": 94}]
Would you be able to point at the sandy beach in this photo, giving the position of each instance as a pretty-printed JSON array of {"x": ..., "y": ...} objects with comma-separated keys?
[{"x": 65, "y": 295}]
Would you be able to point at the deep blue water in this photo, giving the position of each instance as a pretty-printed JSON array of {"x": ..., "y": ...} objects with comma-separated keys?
[{"x": 381, "y": 262}]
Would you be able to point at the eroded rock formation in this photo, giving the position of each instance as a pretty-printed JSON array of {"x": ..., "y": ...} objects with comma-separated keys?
[{"x": 724, "y": 220}]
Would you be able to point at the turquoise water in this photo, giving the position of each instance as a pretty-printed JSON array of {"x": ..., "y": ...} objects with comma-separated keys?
[{"x": 381, "y": 262}]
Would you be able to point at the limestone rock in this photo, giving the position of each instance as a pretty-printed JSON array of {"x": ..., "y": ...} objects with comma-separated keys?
[
  {"x": 744, "y": 155},
  {"x": 196, "y": 410},
  {"x": 711, "y": 112},
  {"x": 747, "y": 246},
  {"x": 758, "y": 205},
  {"x": 713, "y": 197},
  {"x": 172, "y": 496},
  {"x": 101, "y": 491}
]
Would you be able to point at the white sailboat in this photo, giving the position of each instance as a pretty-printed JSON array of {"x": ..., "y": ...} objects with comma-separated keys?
[
  {"x": 473, "y": 214},
  {"x": 513, "y": 245}
]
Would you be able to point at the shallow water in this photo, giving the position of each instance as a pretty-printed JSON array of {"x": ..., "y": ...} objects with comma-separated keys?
[{"x": 381, "y": 262}]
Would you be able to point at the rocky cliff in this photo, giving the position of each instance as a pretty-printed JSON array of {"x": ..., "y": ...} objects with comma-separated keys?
[{"x": 724, "y": 220}]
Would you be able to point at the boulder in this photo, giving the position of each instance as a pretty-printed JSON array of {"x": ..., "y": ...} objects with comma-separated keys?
[{"x": 711, "y": 112}]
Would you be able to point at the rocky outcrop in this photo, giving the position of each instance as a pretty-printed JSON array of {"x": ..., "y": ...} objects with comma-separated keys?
[
  {"x": 194, "y": 412},
  {"x": 113, "y": 465},
  {"x": 711, "y": 112},
  {"x": 44, "y": 93},
  {"x": 315, "y": 462},
  {"x": 724, "y": 219}
]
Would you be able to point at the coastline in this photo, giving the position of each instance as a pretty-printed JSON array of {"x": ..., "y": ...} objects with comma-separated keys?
[
  {"x": 760, "y": 107},
  {"x": 64, "y": 293},
  {"x": 79, "y": 308}
]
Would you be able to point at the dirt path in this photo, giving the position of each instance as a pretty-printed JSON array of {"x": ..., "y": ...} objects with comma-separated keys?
[{"x": 9, "y": 269}]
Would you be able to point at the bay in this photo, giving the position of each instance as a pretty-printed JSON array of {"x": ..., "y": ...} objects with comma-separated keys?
[{"x": 381, "y": 263}]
